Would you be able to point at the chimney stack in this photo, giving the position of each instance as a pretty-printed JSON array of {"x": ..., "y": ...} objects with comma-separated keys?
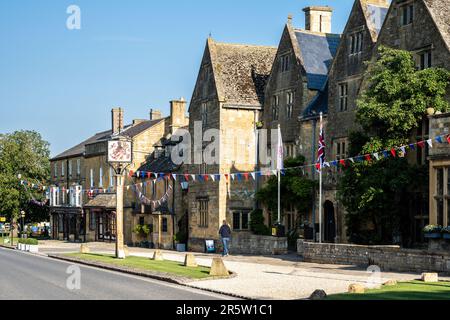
[
  {"x": 155, "y": 114},
  {"x": 117, "y": 120},
  {"x": 177, "y": 114},
  {"x": 318, "y": 19}
]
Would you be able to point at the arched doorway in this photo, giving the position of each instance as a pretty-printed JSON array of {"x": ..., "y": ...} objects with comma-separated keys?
[{"x": 330, "y": 222}]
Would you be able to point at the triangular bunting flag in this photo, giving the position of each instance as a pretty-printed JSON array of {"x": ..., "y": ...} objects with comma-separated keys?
[
  {"x": 430, "y": 143},
  {"x": 439, "y": 139},
  {"x": 253, "y": 175},
  {"x": 421, "y": 144},
  {"x": 377, "y": 157}
]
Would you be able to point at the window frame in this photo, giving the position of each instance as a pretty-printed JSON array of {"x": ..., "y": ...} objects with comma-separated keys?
[
  {"x": 289, "y": 104},
  {"x": 275, "y": 107},
  {"x": 241, "y": 213},
  {"x": 343, "y": 96},
  {"x": 203, "y": 212}
]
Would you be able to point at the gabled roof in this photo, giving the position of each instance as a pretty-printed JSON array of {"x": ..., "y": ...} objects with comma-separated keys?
[
  {"x": 375, "y": 13},
  {"x": 241, "y": 71},
  {"x": 129, "y": 131},
  {"x": 317, "y": 51},
  {"x": 439, "y": 11}
]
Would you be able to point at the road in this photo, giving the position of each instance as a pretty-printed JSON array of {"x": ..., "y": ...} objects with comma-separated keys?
[{"x": 28, "y": 277}]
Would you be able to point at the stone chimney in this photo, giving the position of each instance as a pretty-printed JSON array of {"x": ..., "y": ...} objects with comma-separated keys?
[
  {"x": 318, "y": 19},
  {"x": 155, "y": 114},
  {"x": 117, "y": 120},
  {"x": 177, "y": 114}
]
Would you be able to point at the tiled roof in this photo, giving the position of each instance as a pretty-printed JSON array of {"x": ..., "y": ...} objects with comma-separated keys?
[
  {"x": 103, "y": 200},
  {"x": 133, "y": 131},
  {"x": 317, "y": 53},
  {"x": 439, "y": 10},
  {"x": 241, "y": 71},
  {"x": 375, "y": 16},
  {"x": 318, "y": 104},
  {"x": 129, "y": 131},
  {"x": 79, "y": 149},
  {"x": 162, "y": 164}
]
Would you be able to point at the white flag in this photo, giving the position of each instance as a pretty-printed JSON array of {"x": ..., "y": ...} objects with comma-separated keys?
[{"x": 280, "y": 151}]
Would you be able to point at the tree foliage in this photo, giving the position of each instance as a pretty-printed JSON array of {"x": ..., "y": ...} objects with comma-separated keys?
[
  {"x": 27, "y": 154},
  {"x": 296, "y": 188},
  {"x": 394, "y": 102}
]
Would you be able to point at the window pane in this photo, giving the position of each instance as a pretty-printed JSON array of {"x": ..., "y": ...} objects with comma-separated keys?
[
  {"x": 440, "y": 181},
  {"x": 245, "y": 221},
  {"x": 440, "y": 211},
  {"x": 236, "y": 220}
]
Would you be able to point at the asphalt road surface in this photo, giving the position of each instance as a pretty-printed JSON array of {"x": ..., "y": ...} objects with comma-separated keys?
[{"x": 28, "y": 277}]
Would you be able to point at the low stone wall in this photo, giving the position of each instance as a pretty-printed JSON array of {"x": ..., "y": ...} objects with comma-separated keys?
[
  {"x": 246, "y": 243},
  {"x": 388, "y": 258}
]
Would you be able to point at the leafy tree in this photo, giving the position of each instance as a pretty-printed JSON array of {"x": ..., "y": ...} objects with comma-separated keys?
[
  {"x": 27, "y": 154},
  {"x": 394, "y": 102},
  {"x": 296, "y": 189}
]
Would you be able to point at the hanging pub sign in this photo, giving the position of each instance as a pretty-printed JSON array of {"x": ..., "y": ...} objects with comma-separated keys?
[{"x": 119, "y": 151}]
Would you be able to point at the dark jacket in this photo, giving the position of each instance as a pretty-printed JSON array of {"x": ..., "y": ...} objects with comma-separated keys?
[{"x": 225, "y": 231}]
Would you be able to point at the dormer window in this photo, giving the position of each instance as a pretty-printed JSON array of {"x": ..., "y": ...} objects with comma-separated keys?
[
  {"x": 284, "y": 63},
  {"x": 204, "y": 114},
  {"x": 356, "y": 43},
  {"x": 406, "y": 14}
]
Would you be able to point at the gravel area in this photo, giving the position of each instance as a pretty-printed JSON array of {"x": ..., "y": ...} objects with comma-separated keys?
[{"x": 279, "y": 277}]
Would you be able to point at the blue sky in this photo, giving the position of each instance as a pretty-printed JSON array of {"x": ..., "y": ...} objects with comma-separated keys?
[{"x": 136, "y": 54}]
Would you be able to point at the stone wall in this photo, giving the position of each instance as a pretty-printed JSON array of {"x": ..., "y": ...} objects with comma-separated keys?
[
  {"x": 388, "y": 258},
  {"x": 247, "y": 243}
]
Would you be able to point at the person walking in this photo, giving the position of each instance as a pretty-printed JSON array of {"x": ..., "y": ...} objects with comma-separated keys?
[{"x": 225, "y": 234}]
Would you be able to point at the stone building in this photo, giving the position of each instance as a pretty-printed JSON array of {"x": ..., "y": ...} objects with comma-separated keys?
[
  {"x": 419, "y": 26},
  {"x": 296, "y": 91},
  {"x": 439, "y": 157},
  {"x": 228, "y": 97},
  {"x": 344, "y": 82},
  {"x": 82, "y": 195}
]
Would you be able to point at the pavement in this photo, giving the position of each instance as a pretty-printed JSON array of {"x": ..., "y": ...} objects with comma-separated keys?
[
  {"x": 283, "y": 277},
  {"x": 26, "y": 276}
]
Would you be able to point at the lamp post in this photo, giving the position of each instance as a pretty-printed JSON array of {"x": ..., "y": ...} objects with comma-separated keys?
[{"x": 22, "y": 214}]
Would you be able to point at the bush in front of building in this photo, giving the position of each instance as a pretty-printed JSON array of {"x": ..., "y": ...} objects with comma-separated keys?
[
  {"x": 257, "y": 225},
  {"x": 30, "y": 241}
]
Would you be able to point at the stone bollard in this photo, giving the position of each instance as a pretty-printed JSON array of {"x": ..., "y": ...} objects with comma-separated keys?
[
  {"x": 190, "y": 261},
  {"x": 218, "y": 268},
  {"x": 157, "y": 256},
  {"x": 318, "y": 295},
  {"x": 430, "y": 277},
  {"x": 390, "y": 283},
  {"x": 84, "y": 249},
  {"x": 356, "y": 288}
]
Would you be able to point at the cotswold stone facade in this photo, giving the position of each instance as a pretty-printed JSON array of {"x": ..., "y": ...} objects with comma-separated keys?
[
  {"x": 344, "y": 84},
  {"x": 82, "y": 195},
  {"x": 296, "y": 93},
  {"x": 228, "y": 96}
]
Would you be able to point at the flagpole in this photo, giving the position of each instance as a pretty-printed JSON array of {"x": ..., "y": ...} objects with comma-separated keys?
[{"x": 320, "y": 190}]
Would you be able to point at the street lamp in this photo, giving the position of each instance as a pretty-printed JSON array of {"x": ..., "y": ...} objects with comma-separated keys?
[{"x": 22, "y": 214}]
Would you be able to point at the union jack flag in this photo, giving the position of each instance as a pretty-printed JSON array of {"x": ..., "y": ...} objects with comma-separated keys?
[{"x": 321, "y": 151}]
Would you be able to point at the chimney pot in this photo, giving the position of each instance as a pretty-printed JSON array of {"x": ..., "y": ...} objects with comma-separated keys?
[
  {"x": 155, "y": 114},
  {"x": 117, "y": 120},
  {"x": 318, "y": 19}
]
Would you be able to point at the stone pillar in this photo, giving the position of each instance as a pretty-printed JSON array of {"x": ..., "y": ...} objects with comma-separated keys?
[{"x": 120, "y": 252}]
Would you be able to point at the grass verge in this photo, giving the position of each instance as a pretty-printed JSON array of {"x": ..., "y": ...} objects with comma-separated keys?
[
  {"x": 170, "y": 267},
  {"x": 414, "y": 290}
]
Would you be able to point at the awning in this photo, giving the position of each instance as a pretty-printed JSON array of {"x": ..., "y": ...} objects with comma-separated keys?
[{"x": 106, "y": 201}]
